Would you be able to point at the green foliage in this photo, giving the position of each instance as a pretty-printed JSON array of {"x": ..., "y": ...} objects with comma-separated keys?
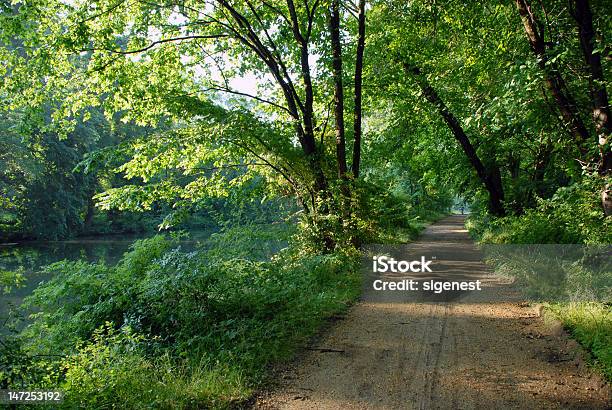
[
  {"x": 132, "y": 103},
  {"x": 202, "y": 148},
  {"x": 237, "y": 242},
  {"x": 112, "y": 371},
  {"x": 572, "y": 215},
  {"x": 477, "y": 58},
  {"x": 591, "y": 325},
  {"x": 10, "y": 280},
  {"x": 164, "y": 323},
  {"x": 101, "y": 371},
  {"x": 41, "y": 195},
  {"x": 80, "y": 297},
  {"x": 379, "y": 212}
]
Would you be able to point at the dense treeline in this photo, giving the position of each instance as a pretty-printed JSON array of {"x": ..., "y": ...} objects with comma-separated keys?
[
  {"x": 499, "y": 100},
  {"x": 44, "y": 195},
  {"x": 474, "y": 67},
  {"x": 50, "y": 185},
  {"x": 350, "y": 121}
]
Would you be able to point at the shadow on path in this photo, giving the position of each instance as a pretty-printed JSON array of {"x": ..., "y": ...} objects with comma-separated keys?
[{"x": 476, "y": 350}]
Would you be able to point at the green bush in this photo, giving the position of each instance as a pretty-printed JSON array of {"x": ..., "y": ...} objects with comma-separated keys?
[
  {"x": 10, "y": 280},
  {"x": 371, "y": 215},
  {"x": 590, "y": 323},
  {"x": 572, "y": 215},
  {"x": 83, "y": 296},
  {"x": 165, "y": 328}
]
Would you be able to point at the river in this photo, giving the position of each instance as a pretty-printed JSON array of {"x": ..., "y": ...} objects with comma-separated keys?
[{"x": 31, "y": 256}]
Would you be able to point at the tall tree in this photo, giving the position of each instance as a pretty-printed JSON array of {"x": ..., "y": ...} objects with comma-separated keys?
[
  {"x": 155, "y": 62},
  {"x": 555, "y": 82},
  {"x": 490, "y": 178},
  {"x": 581, "y": 11},
  {"x": 357, "y": 121},
  {"x": 336, "y": 46}
]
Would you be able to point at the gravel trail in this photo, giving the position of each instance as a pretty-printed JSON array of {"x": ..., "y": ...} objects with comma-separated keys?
[{"x": 468, "y": 352}]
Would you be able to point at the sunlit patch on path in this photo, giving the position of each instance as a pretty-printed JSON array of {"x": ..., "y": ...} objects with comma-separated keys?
[{"x": 473, "y": 353}]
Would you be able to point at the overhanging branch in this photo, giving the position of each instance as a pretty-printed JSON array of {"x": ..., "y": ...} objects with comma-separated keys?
[{"x": 155, "y": 43}]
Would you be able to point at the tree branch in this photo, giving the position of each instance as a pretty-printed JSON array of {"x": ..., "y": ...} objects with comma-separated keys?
[
  {"x": 154, "y": 43},
  {"x": 263, "y": 100}
]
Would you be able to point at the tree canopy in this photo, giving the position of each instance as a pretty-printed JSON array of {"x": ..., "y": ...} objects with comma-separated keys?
[{"x": 503, "y": 103}]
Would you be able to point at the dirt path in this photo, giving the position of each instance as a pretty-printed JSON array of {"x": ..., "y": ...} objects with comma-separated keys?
[{"x": 463, "y": 353}]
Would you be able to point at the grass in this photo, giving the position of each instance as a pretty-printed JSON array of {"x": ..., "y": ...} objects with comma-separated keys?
[
  {"x": 169, "y": 329},
  {"x": 590, "y": 323},
  {"x": 175, "y": 330},
  {"x": 575, "y": 291}
]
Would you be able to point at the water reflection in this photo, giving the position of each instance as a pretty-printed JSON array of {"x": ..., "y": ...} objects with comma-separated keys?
[{"x": 31, "y": 256}]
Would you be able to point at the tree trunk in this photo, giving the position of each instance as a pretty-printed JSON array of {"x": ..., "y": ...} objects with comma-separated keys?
[
  {"x": 89, "y": 214},
  {"x": 334, "y": 28},
  {"x": 606, "y": 200},
  {"x": 552, "y": 76},
  {"x": 301, "y": 113},
  {"x": 539, "y": 170},
  {"x": 491, "y": 180},
  {"x": 358, "y": 89},
  {"x": 599, "y": 96}
]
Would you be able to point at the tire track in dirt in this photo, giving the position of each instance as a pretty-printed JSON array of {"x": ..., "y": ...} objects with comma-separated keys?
[{"x": 473, "y": 352}]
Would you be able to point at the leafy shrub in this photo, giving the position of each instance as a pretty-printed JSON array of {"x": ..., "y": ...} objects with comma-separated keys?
[
  {"x": 83, "y": 296},
  {"x": 591, "y": 325},
  {"x": 103, "y": 370},
  {"x": 572, "y": 215},
  {"x": 10, "y": 280},
  {"x": 371, "y": 215},
  {"x": 249, "y": 241},
  {"x": 164, "y": 323},
  {"x": 111, "y": 371}
]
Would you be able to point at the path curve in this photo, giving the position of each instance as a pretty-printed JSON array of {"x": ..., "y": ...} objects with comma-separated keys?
[{"x": 458, "y": 354}]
